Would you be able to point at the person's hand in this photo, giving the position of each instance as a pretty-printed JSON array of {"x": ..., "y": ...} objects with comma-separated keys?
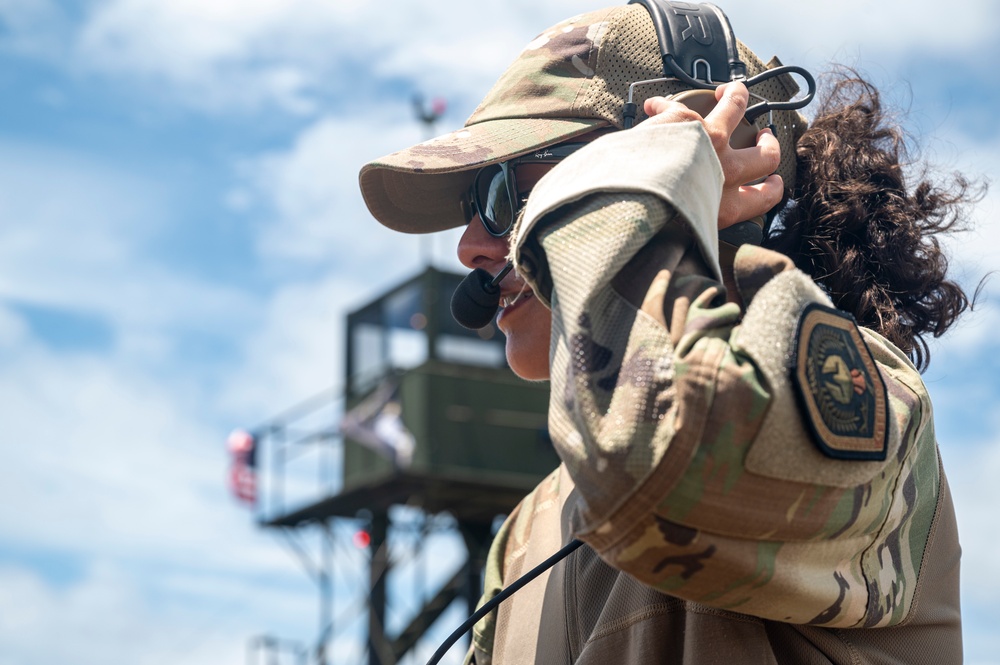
[{"x": 740, "y": 201}]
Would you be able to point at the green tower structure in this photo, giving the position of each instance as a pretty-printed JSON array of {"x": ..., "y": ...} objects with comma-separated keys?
[{"x": 432, "y": 419}]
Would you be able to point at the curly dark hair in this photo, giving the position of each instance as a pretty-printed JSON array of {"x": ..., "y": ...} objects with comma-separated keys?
[{"x": 861, "y": 232}]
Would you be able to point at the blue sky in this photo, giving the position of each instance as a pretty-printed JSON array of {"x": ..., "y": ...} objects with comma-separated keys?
[{"x": 181, "y": 235}]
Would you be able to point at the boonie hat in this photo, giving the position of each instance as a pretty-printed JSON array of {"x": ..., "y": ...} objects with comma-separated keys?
[{"x": 570, "y": 80}]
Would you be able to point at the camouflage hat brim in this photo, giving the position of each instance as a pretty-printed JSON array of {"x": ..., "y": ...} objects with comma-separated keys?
[{"x": 423, "y": 188}]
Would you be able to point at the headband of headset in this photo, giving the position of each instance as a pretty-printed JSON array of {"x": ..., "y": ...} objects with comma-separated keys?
[
  {"x": 696, "y": 42},
  {"x": 698, "y": 47}
]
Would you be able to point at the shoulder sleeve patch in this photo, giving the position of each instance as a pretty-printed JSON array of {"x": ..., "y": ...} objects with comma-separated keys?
[{"x": 840, "y": 389}]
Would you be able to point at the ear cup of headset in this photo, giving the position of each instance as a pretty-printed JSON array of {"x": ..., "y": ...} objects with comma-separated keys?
[
  {"x": 744, "y": 136},
  {"x": 703, "y": 101}
]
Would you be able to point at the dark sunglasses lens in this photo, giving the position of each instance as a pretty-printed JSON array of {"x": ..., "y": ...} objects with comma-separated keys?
[{"x": 493, "y": 200}]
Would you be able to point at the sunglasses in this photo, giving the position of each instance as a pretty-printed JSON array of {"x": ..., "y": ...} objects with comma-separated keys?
[{"x": 493, "y": 194}]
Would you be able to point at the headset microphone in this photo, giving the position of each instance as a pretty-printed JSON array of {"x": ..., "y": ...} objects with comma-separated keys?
[{"x": 476, "y": 299}]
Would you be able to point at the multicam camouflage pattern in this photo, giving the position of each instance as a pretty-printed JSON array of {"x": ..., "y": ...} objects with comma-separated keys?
[
  {"x": 673, "y": 412},
  {"x": 801, "y": 548},
  {"x": 570, "y": 80}
]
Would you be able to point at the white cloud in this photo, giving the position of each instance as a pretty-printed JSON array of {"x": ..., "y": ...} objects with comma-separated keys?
[
  {"x": 972, "y": 468},
  {"x": 229, "y": 54},
  {"x": 212, "y": 53},
  {"x": 107, "y": 456},
  {"x": 13, "y": 329},
  {"x": 80, "y": 234},
  {"x": 309, "y": 210},
  {"x": 118, "y": 473},
  {"x": 245, "y": 53},
  {"x": 885, "y": 31},
  {"x": 312, "y": 192},
  {"x": 116, "y": 460},
  {"x": 979, "y": 159},
  {"x": 61, "y": 193},
  {"x": 110, "y": 615},
  {"x": 974, "y": 253},
  {"x": 296, "y": 352}
]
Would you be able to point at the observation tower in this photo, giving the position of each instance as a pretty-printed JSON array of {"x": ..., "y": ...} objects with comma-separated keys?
[{"x": 430, "y": 432}]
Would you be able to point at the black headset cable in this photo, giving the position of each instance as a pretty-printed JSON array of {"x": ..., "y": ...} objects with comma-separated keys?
[{"x": 502, "y": 596}]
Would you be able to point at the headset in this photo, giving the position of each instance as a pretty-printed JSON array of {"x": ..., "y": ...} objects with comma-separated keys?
[
  {"x": 689, "y": 36},
  {"x": 696, "y": 44}
]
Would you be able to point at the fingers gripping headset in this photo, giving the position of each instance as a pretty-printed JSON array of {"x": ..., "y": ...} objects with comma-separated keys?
[
  {"x": 696, "y": 43},
  {"x": 698, "y": 48}
]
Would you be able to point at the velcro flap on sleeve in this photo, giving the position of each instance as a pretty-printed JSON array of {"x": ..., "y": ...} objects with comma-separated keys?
[{"x": 784, "y": 448}]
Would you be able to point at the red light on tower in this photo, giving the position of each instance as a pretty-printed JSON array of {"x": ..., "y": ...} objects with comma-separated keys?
[
  {"x": 429, "y": 114},
  {"x": 362, "y": 539}
]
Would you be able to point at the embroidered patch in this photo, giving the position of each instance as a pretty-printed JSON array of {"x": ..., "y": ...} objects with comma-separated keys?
[{"x": 842, "y": 394}]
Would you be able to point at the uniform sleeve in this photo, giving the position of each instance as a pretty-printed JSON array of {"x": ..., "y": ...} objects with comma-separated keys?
[{"x": 675, "y": 414}]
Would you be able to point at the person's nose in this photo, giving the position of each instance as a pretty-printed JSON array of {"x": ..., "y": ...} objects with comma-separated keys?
[{"x": 478, "y": 249}]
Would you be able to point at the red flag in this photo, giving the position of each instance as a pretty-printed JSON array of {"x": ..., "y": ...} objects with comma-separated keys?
[{"x": 242, "y": 447}]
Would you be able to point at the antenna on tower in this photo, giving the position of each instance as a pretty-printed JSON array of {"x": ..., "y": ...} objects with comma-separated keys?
[{"x": 428, "y": 115}]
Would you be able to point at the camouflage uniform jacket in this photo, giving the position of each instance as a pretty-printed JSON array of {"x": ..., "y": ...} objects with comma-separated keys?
[{"x": 718, "y": 530}]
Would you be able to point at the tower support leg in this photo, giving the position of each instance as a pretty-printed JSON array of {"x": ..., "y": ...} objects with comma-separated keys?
[{"x": 379, "y": 652}]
